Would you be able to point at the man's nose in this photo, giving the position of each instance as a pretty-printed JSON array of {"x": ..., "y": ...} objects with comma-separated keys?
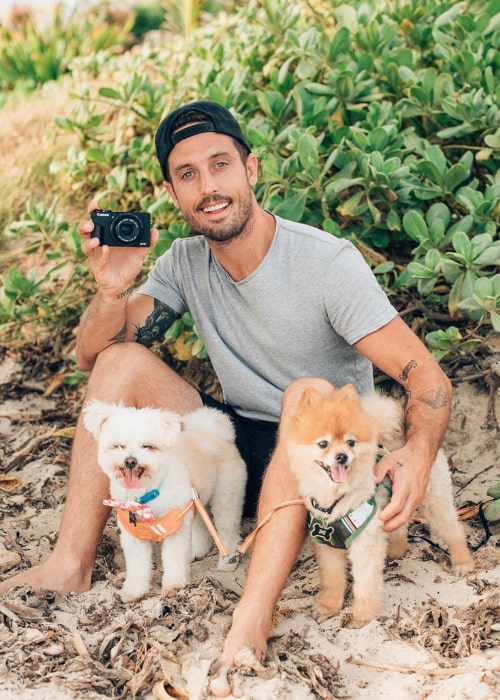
[{"x": 208, "y": 184}]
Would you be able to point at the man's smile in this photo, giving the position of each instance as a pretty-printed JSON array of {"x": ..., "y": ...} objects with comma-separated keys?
[{"x": 214, "y": 207}]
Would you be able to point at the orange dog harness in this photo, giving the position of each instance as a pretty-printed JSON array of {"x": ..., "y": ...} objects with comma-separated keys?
[{"x": 155, "y": 530}]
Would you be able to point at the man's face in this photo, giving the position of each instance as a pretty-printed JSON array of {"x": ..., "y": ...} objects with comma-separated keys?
[{"x": 212, "y": 186}]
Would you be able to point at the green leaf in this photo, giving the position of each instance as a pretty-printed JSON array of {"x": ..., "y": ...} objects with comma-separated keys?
[
  {"x": 292, "y": 207},
  {"x": 455, "y": 175},
  {"x": 462, "y": 245},
  {"x": 308, "y": 152},
  {"x": 415, "y": 226},
  {"x": 340, "y": 43},
  {"x": 492, "y": 511},
  {"x": 110, "y": 93}
]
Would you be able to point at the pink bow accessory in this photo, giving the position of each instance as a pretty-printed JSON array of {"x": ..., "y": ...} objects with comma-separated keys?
[{"x": 134, "y": 507}]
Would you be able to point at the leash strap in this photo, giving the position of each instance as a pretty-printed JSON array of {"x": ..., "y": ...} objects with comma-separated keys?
[
  {"x": 248, "y": 541},
  {"x": 198, "y": 504}
]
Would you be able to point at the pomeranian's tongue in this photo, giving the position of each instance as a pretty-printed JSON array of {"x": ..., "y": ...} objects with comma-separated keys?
[
  {"x": 338, "y": 473},
  {"x": 131, "y": 478}
]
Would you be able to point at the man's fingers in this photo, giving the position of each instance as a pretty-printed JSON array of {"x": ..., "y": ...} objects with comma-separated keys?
[
  {"x": 89, "y": 245},
  {"x": 85, "y": 228},
  {"x": 397, "y": 512},
  {"x": 155, "y": 235}
]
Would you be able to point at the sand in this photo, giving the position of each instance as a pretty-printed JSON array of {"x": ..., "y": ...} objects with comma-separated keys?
[{"x": 436, "y": 638}]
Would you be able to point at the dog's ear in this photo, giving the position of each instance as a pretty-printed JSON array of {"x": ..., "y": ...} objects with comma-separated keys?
[
  {"x": 172, "y": 425},
  {"x": 349, "y": 393},
  {"x": 310, "y": 397},
  {"x": 95, "y": 414}
]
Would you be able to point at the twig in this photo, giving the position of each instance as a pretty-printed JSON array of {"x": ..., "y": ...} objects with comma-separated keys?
[
  {"x": 29, "y": 448},
  {"x": 437, "y": 672},
  {"x": 470, "y": 377},
  {"x": 80, "y": 645}
]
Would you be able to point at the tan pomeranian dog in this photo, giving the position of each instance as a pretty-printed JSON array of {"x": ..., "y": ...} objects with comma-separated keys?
[
  {"x": 154, "y": 459},
  {"x": 332, "y": 447}
]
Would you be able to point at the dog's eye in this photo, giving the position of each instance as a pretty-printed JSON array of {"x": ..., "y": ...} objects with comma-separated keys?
[
  {"x": 118, "y": 447},
  {"x": 351, "y": 442},
  {"x": 322, "y": 444},
  {"x": 148, "y": 447}
]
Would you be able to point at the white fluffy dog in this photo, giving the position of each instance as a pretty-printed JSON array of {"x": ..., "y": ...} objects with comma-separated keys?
[{"x": 154, "y": 459}]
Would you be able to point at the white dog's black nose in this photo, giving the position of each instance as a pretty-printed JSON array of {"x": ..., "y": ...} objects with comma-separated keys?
[
  {"x": 341, "y": 458},
  {"x": 130, "y": 462}
]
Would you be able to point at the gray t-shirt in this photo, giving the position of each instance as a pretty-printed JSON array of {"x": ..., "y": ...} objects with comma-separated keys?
[{"x": 297, "y": 315}]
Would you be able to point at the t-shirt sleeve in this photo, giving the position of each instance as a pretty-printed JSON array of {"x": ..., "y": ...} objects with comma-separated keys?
[
  {"x": 162, "y": 283},
  {"x": 355, "y": 302}
]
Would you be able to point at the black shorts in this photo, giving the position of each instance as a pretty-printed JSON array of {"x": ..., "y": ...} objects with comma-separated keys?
[{"x": 255, "y": 440}]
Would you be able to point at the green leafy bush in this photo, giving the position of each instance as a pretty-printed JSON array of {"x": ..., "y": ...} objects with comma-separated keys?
[
  {"x": 35, "y": 51},
  {"x": 377, "y": 121}
]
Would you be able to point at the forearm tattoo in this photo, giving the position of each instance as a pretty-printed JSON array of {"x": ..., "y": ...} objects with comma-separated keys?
[
  {"x": 435, "y": 398},
  {"x": 125, "y": 293},
  {"x": 156, "y": 324},
  {"x": 404, "y": 374},
  {"x": 120, "y": 335}
]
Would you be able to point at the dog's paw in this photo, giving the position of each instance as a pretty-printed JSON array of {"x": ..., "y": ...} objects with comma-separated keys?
[
  {"x": 463, "y": 568},
  {"x": 356, "y": 623},
  {"x": 327, "y": 604},
  {"x": 229, "y": 563},
  {"x": 129, "y": 595},
  {"x": 171, "y": 590},
  {"x": 322, "y": 613}
]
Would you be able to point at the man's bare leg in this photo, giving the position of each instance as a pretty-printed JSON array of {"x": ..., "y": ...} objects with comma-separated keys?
[
  {"x": 123, "y": 372},
  {"x": 275, "y": 551}
]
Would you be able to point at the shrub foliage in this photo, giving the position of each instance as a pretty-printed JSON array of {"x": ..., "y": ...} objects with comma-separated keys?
[{"x": 376, "y": 121}]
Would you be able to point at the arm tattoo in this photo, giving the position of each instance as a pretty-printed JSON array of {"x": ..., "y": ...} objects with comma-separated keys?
[
  {"x": 121, "y": 334},
  {"x": 123, "y": 294},
  {"x": 404, "y": 374},
  {"x": 434, "y": 398},
  {"x": 407, "y": 417},
  {"x": 156, "y": 324}
]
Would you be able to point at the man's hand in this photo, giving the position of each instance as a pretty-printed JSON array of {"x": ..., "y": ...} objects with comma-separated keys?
[
  {"x": 114, "y": 268},
  {"x": 409, "y": 481}
]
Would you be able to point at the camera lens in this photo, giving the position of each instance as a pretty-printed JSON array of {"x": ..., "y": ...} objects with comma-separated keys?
[{"x": 126, "y": 229}]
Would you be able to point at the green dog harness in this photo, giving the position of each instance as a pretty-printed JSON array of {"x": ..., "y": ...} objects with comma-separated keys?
[{"x": 340, "y": 533}]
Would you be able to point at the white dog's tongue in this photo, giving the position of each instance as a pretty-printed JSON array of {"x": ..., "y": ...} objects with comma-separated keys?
[
  {"x": 338, "y": 473},
  {"x": 131, "y": 478}
]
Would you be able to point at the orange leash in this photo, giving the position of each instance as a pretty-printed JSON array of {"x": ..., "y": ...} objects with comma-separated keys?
[
  {"x": 248, "y": 541},
  {"x": 198, "y": 504}
]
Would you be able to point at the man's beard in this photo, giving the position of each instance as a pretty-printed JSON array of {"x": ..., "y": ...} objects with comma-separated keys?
[{"x": 225, "y": 232}]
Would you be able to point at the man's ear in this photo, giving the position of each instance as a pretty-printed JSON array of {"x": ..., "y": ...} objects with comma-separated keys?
[
  {"x": 168, "y": 186},
  {"x": 252, "y": 166}
]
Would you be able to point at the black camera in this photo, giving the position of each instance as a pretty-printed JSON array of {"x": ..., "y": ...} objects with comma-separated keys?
[{"x": 122, "y": 228}]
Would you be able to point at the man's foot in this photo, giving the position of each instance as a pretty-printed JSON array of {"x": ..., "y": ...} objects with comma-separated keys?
[
  {"x": 248, "y": 634},
  {"x": 48, "y": 576}
]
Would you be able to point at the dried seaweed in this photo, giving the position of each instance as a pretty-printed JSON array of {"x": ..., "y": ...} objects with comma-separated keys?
[{"x": 453, "y": 633}]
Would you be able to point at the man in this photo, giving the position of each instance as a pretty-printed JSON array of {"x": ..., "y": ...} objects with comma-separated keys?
[{"x": 279, "y": 306}]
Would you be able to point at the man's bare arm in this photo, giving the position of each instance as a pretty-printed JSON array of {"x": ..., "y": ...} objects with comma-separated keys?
[
  {"x": 400, "y": 354},
  {"x": 109, "y": 320}
]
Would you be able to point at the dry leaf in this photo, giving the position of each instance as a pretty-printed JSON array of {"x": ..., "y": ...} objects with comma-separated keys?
[{"x": 9, "y": 483}]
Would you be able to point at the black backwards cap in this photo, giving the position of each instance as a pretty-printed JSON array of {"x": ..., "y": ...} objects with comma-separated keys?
[{"x": 221, "y": 121}]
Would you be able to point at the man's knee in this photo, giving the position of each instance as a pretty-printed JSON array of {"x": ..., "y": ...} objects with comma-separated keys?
[
  {"x": 127, "y": 356},
  {"x": 121, "y": 367}
]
